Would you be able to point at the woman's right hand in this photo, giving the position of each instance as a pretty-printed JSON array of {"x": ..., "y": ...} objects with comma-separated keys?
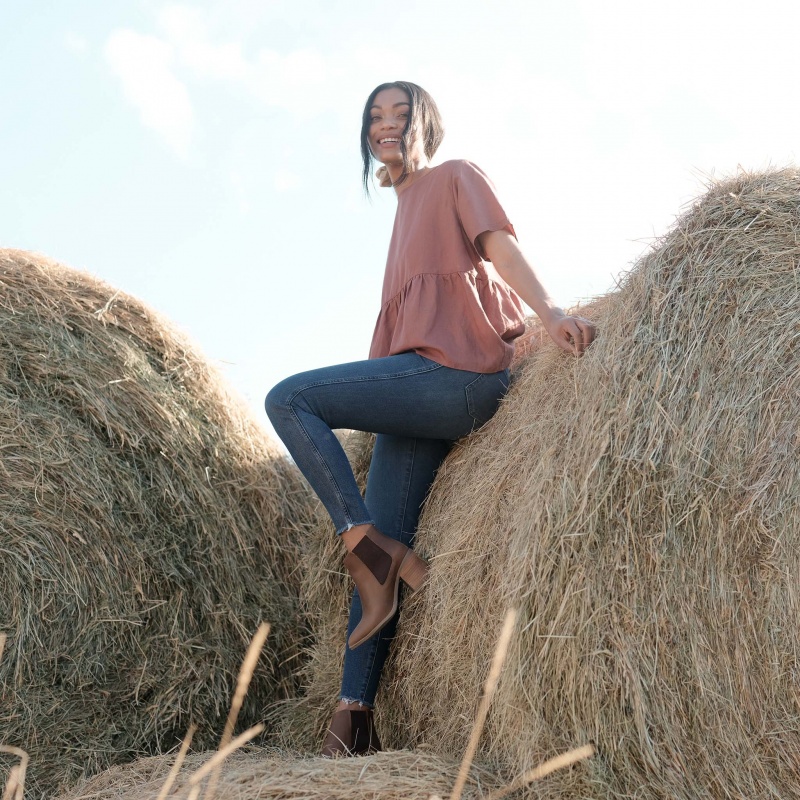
[{"x": 571, "y": 333}]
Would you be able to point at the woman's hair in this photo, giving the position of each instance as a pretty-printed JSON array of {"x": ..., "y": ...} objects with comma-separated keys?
[{"x": 423, "y": 114}]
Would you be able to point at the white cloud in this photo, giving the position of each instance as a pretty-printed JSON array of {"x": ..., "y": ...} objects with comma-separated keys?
[
  {"x": 187, "y": 30},
  {"x": 282, "y": 80},
  {"x": 289, "y": 81},
  {"x": 304, "y": 82},
  {"x": 144, "y": 64}
]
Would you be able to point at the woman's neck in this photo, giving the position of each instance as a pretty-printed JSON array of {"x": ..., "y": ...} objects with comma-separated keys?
[{"x": 415, "y": 170}]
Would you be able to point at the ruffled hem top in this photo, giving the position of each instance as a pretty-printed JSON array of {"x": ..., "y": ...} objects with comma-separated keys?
[{"x": 441, "y": 297}]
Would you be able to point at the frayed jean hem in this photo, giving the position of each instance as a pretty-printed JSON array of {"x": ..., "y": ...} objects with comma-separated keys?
[
  {"x": 350, "y": 525},
  {"x": 361, "y": 703}
]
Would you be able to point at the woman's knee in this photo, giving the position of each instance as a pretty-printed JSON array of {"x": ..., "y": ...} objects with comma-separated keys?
[{"x": 279, "y": 397}]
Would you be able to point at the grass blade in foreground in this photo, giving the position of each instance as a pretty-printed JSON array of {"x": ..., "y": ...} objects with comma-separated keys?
[
  {"x": 15, "y": 788},
  {"x": 483, "y": 709},
  {"x": 551, "y": 765}
]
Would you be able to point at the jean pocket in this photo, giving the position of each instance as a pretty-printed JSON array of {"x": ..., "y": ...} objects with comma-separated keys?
[
  {"x": 425, "y": 360},
  {"x": 484, "y": 395}
]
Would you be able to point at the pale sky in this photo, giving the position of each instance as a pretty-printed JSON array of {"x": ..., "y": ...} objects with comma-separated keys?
[{"x": 204, "y": 156}]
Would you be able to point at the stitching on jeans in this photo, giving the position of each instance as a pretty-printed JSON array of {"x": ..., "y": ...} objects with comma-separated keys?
[
  {"x": 372, "y": 655},
  {"x": 321, "y": 460},
  {"x": 468, "y": 389},
  {"x": 332, "y": 381},
  {"x": 407, "y": 488}
]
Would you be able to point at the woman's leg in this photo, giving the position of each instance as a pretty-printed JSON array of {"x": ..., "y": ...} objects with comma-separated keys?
[
  {"x": 402, "y": 395},
  {"x": 400, "y": 475}
]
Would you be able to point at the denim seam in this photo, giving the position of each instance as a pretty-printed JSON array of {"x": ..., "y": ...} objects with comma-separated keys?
[
  {"x": 470, "y": 399},
  {"x": 409, "y": 472},
  {"x": 350, "y": 525},
  {"x": 331, "y": 381},
  {"x": 321, "y": 460},
  {"x": 372, "y": 654}
]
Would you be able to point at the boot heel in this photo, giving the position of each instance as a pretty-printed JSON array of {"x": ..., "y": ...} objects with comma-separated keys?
[{"x": 414, "y": 570}]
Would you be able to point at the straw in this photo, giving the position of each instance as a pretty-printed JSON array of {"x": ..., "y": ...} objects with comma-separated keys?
[
  {"x": 149, "y": 525},
  {"x": 220, "y": 756},
  {"x": 549, "y": 766},
  {"x": 483, "y": 708},
  {"x": 15, "y": 785},
  {"x": 242, "y": 685},
  {"x": 176, "y": 767}
]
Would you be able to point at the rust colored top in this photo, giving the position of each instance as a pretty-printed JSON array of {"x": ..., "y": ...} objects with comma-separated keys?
[{"x": 441, "y": 297}]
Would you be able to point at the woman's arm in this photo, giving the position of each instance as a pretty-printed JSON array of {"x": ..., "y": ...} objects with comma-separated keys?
[{"x": 573, "y": 334}]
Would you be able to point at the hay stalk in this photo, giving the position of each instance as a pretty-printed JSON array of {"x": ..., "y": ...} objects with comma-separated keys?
[
  {"x": 15, "y": 787},
  {"x": 176, "y": 767},
  {"x": 218, "y": 757},
  {"x": 243, "y": 682},
  {"x": 483, "y": 708},
  {"x": 242, "y": 685},
  {"x": 11, "y": 791},
  {"x": 551, "y": 765}
]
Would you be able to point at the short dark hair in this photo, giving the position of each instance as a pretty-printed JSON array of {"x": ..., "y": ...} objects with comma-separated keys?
[{"x": 423, "y": 113}]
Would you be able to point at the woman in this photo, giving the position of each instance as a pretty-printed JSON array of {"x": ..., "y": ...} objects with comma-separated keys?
[{"x": 437, "y": 370}]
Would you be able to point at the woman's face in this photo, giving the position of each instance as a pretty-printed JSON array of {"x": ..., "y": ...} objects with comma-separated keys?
[{"x": 388, "y": 119}]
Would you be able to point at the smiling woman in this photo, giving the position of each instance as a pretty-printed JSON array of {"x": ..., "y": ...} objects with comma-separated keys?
[
  {"x": 438, "y": 367},
  {"x": 386, "y": 134}
]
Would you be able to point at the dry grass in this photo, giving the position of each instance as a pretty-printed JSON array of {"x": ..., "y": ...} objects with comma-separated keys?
[
  {"x": 148, "y": 526},
  {"x": 274, "y": 775},
  {"x": 15, "y": 779},
  {"x": 265, "y": 774},
  {"x": 278, "y": 776},
  {"x": 641, "y": 508},
  {"x": 489, "y": 688}
]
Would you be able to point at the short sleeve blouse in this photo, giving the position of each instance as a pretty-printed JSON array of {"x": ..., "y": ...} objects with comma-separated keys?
[{"x": 441, "y": 297}]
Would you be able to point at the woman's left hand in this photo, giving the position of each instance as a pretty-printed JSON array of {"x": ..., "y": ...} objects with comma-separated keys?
[{"x": 573, "y": 334}]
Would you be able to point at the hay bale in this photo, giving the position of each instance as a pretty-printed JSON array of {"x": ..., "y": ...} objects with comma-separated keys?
[
  {"x": 265, "y": 775},
  {"x": 641, "y": 508},
  {"x": 147, "y": 526}
]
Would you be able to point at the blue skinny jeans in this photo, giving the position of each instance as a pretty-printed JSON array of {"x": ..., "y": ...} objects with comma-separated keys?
[{"x": 417, "y": 408}]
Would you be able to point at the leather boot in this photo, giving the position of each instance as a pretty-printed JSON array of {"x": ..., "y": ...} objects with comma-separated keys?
[
  {"x": 351, "y": 733},
  {"x": 376, "y": 564}
]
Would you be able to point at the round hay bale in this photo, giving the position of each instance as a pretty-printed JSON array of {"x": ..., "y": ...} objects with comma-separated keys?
[
  {"x": 147, "y": 525},
  {"x": 641, "y": 508},
  {"x": 265, "y": 775}
]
